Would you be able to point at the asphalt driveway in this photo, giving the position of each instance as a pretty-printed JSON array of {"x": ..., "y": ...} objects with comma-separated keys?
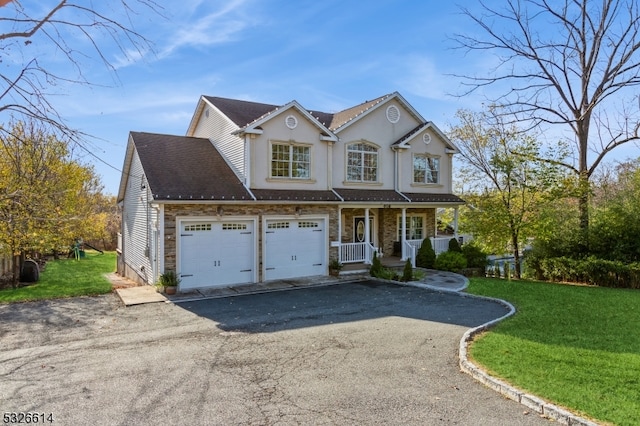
[{"x": 364, "y": 353}]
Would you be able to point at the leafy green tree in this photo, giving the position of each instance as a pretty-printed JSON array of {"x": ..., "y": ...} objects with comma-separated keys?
[
  {"x": 46, "y": 197},
  {"x": 615, "y": 228},
  {"x": 507, "y": 187}
]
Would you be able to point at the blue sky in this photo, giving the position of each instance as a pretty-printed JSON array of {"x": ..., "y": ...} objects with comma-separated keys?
[{"x": 328, "y": 55}]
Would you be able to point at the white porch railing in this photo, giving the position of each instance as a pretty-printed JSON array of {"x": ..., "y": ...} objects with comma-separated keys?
[
  {"x": 357, "y": 252},
  {"x": 439, "y": 244},
  {"x": 411, "y": 249}
]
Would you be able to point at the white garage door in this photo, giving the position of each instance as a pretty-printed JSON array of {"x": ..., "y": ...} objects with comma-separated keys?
[
  {"x": 215, "y": 254},
  {"x": 295, "y": 248}
]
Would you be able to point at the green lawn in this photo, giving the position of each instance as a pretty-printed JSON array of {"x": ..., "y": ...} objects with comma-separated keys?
[
  {"x": 576, "y": 346},
  {"x": 67, "y": 278}
]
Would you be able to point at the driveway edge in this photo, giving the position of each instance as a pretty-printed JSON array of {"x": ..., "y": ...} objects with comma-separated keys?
[{"x": 532, "y": 402}]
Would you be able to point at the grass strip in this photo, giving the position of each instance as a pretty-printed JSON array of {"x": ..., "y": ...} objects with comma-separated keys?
[
  {"x": 576, "y": 346},
  {"x": 67, "y": 278}
]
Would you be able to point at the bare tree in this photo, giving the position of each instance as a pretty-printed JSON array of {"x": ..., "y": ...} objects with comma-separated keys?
[
  {"x": 72, "y": 31},
  {"x": 575, "y": 63}
]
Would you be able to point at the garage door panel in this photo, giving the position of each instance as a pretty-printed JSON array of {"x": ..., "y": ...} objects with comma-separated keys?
[
  {"x": 215, "y": 254},
  {"x": 294, "y": 248}
]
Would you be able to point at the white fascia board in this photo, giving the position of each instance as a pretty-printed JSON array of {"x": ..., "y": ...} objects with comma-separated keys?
[
  {"x": 252, "y": 128},
  {"x": 196, "y": 116},
  {"x": 202, "y": 104},
  {"x": 450, "y": 147},
  {"x": 124, "y": 177}
]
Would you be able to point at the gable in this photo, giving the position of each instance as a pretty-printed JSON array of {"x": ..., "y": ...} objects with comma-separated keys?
[{"x": 426, "y": 133}]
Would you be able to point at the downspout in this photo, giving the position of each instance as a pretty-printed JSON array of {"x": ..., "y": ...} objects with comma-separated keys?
[{"x": 403, "y": 236}]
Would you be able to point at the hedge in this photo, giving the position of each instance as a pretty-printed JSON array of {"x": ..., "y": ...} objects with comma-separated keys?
[{"x": 593, "y": 271}]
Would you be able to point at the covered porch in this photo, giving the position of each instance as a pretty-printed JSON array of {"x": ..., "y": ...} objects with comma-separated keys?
[{"x": 394, "y": 233}]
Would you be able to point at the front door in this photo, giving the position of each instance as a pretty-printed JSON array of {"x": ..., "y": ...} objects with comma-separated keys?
[{"x": 359, "y": 230}]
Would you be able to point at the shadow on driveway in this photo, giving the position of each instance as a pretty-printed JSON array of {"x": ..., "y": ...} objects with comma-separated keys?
[{"x": 348, "y": 302}]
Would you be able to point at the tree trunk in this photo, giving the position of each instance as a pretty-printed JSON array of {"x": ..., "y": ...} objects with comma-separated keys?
[
  {"x": 584, "y": 189},
  {"x": 17, "y": 265},
  {"x": 582, "y": 123},
  {"x": 516, "y": 257}
]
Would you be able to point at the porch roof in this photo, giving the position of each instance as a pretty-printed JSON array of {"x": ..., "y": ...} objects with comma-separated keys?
[
  {"x": 371, "y": 195},
  {"x": 294, "y": 195},
  {"x": 419, "y": 197},
  {"x": 391, "y": 196}
]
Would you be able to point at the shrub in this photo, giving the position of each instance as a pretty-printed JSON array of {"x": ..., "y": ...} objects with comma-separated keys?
[
  {"x": 376, "y": 269},
  {"x": 594, "y": 271},
  {"x": 407, "y": 272},
  {"x": 450, "y": 261},
  {"x": 454, "y": 245},
  {"x": 426, "y": 256},
  {"x": 476, "y": 258}
]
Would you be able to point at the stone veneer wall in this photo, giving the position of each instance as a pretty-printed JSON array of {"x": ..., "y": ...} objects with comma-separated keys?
[
  {"x": 171, "y": 211},
  {"x": 390, "y": 226}
]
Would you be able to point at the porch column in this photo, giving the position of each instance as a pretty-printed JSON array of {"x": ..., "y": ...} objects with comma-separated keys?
[
  {"x": 340, "y": 234},
  {"x": 367, "y": 254},
  {"x": 403, "y": 233},
  {"x": 455, "y": 222}
]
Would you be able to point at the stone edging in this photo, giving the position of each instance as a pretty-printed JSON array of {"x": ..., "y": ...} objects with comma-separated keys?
[{"x": 532, "y": 402}]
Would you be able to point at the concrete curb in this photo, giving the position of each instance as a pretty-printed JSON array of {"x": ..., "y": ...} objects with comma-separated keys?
[{"x": 532, "y": 402}]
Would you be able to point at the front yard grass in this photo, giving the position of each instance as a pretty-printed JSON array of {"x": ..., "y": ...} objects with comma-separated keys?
[
  {"x": 576, "y": 346},
  {"x": 67, "y": 278}
]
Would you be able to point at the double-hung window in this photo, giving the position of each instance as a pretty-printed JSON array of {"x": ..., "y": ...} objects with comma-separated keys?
[
  {"x": 362, "y": 163},
  {"x": 426, "y": 169},
  {"x": 290, "y": 161}
]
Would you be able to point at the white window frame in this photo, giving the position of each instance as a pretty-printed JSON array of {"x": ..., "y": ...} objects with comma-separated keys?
[
  {"x": 411, "y": 228},
  {"x": 362, "y": 154},
  {"x": 290, "y": 160},
  {"x": 428, "y": 172}
]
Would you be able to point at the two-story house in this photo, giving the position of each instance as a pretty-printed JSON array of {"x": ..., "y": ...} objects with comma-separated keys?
[{"x": 257, "y": 192}]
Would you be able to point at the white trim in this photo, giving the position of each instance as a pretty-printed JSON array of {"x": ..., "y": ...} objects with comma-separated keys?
[
  {"x": 181, "y": 219},
  {"x": 252, "y": 127},
  {"x": 302, "y": 217},
  {"x": 290, "y": 178},
  {"x": 378, "y": 162}
]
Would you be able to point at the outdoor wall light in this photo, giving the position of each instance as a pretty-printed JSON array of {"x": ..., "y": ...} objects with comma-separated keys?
[{"x": 220, "y": 211}]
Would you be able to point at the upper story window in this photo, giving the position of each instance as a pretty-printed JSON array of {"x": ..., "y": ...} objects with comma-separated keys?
[
  {"x": 362, "y": 163},
  {"x": 290, "y": 161},
  {"x": 426, "y": 169}
]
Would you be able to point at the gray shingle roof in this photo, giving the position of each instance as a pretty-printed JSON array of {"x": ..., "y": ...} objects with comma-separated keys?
[
  {"x": 293, "y": 195},
  {"x": 186, "y": 168},
  {"x": 417, "y": 197},
  {"x": 245, "y": 112},
  {"x": 371, "y": 195},
  {"x": 241, "y": 112}
]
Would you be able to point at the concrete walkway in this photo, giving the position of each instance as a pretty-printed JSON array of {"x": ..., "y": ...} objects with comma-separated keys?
[{"x": 137, "y": 295}]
